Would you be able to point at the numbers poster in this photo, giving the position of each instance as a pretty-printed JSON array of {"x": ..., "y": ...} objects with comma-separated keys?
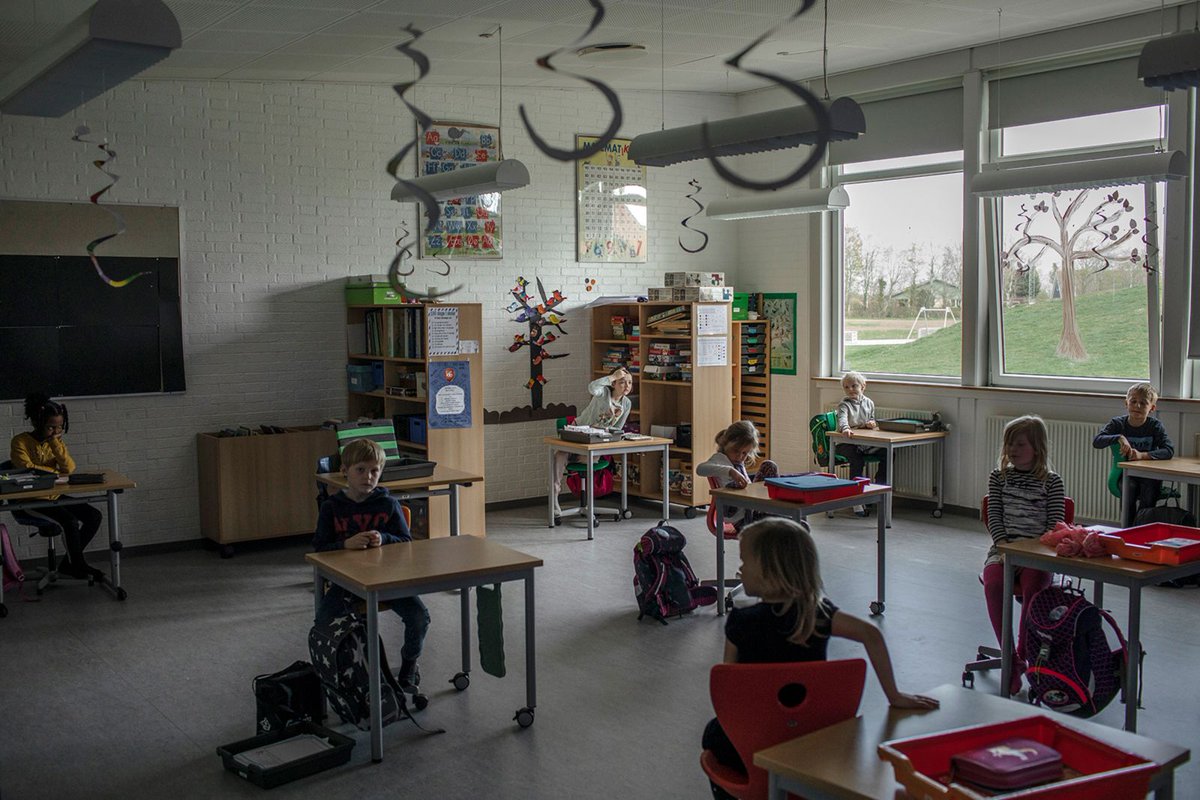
[
  {"x": 611, "y": 205},
  {"x": 470, "y": 225}
]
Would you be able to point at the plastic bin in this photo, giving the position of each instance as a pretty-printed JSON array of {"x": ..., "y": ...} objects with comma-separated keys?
[
  {"x": 1137, "y": 543},
  {"x": 815, "y": 488},
  {"x": 1093, "y": 770},
  {"x": 361, "y": 377},
  {"x": 271, "y": 777},
  {"x": 741, "y": 305},
  {"x": 372, "y": 294}
]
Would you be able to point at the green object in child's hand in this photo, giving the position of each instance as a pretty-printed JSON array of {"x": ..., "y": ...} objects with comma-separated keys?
[{"x": 490, "y": 620}]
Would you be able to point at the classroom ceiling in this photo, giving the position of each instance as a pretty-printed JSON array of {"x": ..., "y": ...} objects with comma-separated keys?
[{"x": 354, "y": 41}]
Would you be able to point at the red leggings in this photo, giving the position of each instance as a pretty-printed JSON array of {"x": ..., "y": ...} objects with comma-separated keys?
[{"x": 1027, "y": 582}]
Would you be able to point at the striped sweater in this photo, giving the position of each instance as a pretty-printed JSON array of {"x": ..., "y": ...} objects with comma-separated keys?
[{"x": 1021, "y": 506}]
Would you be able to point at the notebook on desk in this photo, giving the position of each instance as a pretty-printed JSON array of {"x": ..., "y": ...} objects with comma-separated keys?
[{"x": 85, "y": 477}]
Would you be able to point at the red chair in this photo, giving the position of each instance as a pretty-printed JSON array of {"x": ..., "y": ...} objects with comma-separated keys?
[
  {"x": 761, "y": 705},
  {"x": 730, "y": 532},
  {"x": 987, "y": 657}
]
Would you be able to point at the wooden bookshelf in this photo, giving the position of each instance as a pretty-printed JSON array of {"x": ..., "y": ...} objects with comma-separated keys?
[
  {"x": 400, "y": 345},
  {"x": 705, "y": 401},
  {"x": 752, "y": 389}
]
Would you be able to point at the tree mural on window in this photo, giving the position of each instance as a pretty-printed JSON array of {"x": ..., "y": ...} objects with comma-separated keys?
[{"x": 1086, "y": 234}]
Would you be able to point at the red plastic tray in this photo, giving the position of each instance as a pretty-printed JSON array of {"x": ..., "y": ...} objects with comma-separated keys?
[
  {"x": 1135, "y": 543},
  {"x": 1094, "y": 770},
  {"x": 817, "y": 495}
]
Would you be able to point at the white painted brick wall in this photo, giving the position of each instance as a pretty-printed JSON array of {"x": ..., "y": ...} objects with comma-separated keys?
[{"x": 283, "y": 193}]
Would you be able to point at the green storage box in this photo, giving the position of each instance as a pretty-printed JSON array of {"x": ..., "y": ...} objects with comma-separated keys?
[
  {"x": 741, "y": 303},
  {"x": 372, "y": 294}
]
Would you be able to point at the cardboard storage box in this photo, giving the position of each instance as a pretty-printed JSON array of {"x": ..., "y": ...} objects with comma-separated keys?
[
  {"x": 673, "y": 279},
  {"x": 702, "y": 294}
]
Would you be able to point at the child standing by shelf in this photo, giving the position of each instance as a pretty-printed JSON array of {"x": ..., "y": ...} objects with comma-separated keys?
[
  {"x": 43, "y": 449},
  {"x": 794, "y": 621},
  {"x": 609, "y": 408},
  {"x": 365, "y": 515},
  {"x": 1141, "y": 437},
  {"x": 737, "y": 446},
  {"x": 857, "y": 411},
  {"x": 1025, "y": 499}
]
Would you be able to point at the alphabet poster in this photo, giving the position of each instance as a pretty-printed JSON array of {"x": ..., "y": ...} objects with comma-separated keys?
[
  {"x": 610, "y": 206},
  {"x": 470, "y": 225}
]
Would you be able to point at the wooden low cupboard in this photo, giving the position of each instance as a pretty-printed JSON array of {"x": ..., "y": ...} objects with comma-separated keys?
[{"x": 259, "y": 487}]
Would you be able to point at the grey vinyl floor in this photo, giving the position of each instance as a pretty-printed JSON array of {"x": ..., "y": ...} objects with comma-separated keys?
[{"x": 100, "y": 699}]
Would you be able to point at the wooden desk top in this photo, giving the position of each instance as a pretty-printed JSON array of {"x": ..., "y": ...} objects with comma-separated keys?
[
  {"x": 842, "y": 759},
  {"x": 396, "y": 566},
  {"x": 758, "y": 491},
  {"x": 1178, "y": 468},
  {"x": 1123, "y": 566},
  {"x": 868, "y": 436},
  {"x": 441, "y": 476},
  {"x": 113, "y": 481},
  {"x": 653, "y": 441}
]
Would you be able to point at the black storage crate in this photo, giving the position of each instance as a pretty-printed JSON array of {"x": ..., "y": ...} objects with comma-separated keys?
[
  {"x": 25, "y": 480},
  {"x": 309, "y": 765}
]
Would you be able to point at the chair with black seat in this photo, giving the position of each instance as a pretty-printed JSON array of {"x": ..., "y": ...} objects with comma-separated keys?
[
  {"x": 987, "y": 657},
  {"x": 580, "y": 469},
  {"x": 762, "y": 705},
  {"x": 43, "y": 526}
]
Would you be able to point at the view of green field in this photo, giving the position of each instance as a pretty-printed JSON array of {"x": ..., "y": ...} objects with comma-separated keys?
[{"x": 1112, "y": 324}]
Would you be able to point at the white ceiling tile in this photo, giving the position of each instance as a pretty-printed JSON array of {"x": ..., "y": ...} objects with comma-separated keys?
[
  {"x": 237, "y": 41},
  {"x": 264, "y": 18},
  {"x": 347, "y": 47},
  {"x": 196, "y": 15},
  {"x": 387, "y": 26}
]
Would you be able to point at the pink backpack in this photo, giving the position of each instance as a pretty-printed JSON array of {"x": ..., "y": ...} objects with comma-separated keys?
[{"x": 12, "y": 575}]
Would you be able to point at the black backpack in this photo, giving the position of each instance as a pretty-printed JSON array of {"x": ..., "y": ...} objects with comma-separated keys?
[
  {"x": 287, "y": 697},
  {"x": 339, "y": 655},
  {"x": 663, "y": 581}
]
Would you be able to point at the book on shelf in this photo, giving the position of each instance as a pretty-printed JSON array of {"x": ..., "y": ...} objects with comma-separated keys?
[{"x": 668, "y": 314}]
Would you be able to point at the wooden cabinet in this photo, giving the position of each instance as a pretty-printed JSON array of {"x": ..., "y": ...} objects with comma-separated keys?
[
  {"x": 260, "y": 487},
  {"x": 670, "y": 387},
  {"x": 392, "y": 342},
  {"x": 752, "y": 378}
]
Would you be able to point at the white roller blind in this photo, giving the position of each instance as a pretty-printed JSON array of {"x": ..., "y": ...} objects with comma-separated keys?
[
  {"x": 906, "y": 126},
  {"x": 1065, "y": 93}
]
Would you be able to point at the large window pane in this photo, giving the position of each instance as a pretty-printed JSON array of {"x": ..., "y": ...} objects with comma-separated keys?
[
  {"x": 902, "y": 276},
  {"x": 1073, "y": 284},
  {"x": 1100, "y": 130}
]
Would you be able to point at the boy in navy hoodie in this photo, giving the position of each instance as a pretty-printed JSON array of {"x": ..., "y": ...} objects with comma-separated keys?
[
  {"x": 1141, "y": 437},
  {"x": 360, "y": 516}
]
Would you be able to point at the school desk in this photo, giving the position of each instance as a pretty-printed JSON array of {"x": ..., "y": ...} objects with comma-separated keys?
[
  {"x": 1183, "y": 470},
  {"x": 92, "y": 493},
  {"x": 415, "y": 488},
  {"x": 891, "y": 441},
  {"x": 842, "y": 762},
  {"x": 378, "y": 574},
  {"x": 755, "y": 498},
  {"x": 590, "y": 453},
  {"x": 1118, "y": 571}
]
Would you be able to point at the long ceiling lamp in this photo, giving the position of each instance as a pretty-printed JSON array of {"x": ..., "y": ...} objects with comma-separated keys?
[
  {"x": 1093, "y": 173},
  {"x": 488, "y": 178},
  {"x": 104, "y": 46},
  {"x": 774, "y": 204},
  {"x": 1172, "y": 62}
]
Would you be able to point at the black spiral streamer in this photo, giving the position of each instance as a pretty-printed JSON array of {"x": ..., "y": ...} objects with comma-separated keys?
[
  {"x": 614, "y": 102},
  {"x": 695, "y": 184},
  {"x": 433, "y": 211},
  {"x": 821, "y": 114}
]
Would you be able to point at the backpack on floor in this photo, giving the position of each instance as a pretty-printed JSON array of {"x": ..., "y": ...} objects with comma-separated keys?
[
  {"x": 287, "y": 697},
  {"x": 339, "y": 655},
  {"x": 602, "y": 483},
  {"x": 663, "y": 581},
  {"x": 11, "y": 573},
  {"x": 1071, "y": 667}
]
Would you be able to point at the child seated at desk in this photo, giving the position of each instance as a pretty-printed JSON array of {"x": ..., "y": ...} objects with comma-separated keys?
[
  {"x": 794, "y": 621},
  {"x": 857, "y": 411},
  {"x": 737, "y": 446},
  {"x": 609, "y": 409},
  {"x": 1141, "y": 437},
  {"x": 365, "y": 515},
  {"x": 43, "y": 449}
]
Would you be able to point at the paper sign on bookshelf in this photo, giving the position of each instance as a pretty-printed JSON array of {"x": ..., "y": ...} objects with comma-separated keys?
[{"x": 712, "y": 351}]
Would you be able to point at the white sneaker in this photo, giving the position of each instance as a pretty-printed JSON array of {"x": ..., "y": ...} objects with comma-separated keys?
[{"x": 557, "y": 508}]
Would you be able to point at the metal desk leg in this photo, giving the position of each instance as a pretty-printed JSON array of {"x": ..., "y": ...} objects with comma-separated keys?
[
  {"x": 1126, "y": 499},
  {"x": 316, "y": 592},
  {"x": 941, "y": 476},
  {"x": 624, "y": 483},
  {"x": 1134, "y": 641},
  {"x": 530, "y": 647},
  {"x": 891, "y": 466},
  {"x": 114, "y": 545},
  {"x": 464, "y": 601},
  {"x": 375, "y": 697},
  {"x": 550, "y": 496},
  {"x": 591, "y": 495},
  {"x": 1098, "y": 593},
  {"x": 454, "y": 509},
  {"x": 666, "y": 489},
  {"x": 1006, "y": 634},
  {"x": 881, "y": 564},
  {"x": 720, "y": 537}
]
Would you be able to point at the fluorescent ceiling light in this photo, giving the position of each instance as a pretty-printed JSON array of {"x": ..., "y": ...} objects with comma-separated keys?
[
  {"x": 1172, "y": 62},
  {"x": 774, "y": 204},
  {"x": 495, "y": 176},
  {"x": 753, "y": 133},
  {"x": 103, "y": 47},
  {"x": 1099, "y": 172}
]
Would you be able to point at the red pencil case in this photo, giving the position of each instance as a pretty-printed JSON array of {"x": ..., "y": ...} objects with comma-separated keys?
[{"x": 1013, "y": 763}]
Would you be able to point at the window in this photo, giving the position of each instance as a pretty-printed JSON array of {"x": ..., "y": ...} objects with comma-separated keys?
[
  {"x": 1098, "y": 130},
  {"x": 901, "y": 269}
]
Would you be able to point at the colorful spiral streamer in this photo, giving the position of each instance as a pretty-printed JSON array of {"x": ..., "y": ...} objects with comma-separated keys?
[{"x": 100, "y": 164}]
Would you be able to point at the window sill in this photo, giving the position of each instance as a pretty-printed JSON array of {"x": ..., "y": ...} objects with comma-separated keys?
[{"x": 997, "y": 390}]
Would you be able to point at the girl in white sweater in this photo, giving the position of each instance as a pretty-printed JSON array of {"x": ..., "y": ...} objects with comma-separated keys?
[{"x": 737, "y": 446}]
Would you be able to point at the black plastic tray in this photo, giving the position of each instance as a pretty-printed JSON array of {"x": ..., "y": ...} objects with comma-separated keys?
[
  {"x": 24, "y": 480},
  {"x": 309, "y": 765},
  {"x": 587, "y": 438},
  {"x": 402, "y": 468}
]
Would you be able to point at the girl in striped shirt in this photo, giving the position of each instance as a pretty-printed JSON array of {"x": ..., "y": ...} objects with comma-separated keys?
[{"x": 1025, "y": 499}]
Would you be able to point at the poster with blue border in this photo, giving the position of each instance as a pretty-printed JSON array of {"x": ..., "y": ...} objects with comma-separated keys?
[{"x": 450, "y": 394}]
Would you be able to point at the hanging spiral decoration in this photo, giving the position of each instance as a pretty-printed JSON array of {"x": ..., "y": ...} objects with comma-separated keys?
[
  {"x": 433, "y": 211},
  {"x": 695, "y": 184},
  {"x": 614, "y": 102},
  {"x": 100, "y": 164}
]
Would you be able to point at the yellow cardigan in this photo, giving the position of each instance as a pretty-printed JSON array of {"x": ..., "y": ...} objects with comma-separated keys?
[{"x": 50, "y": 455}]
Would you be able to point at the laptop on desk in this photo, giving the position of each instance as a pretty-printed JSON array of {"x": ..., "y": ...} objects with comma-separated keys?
[{"x": 400, "y": 466}]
